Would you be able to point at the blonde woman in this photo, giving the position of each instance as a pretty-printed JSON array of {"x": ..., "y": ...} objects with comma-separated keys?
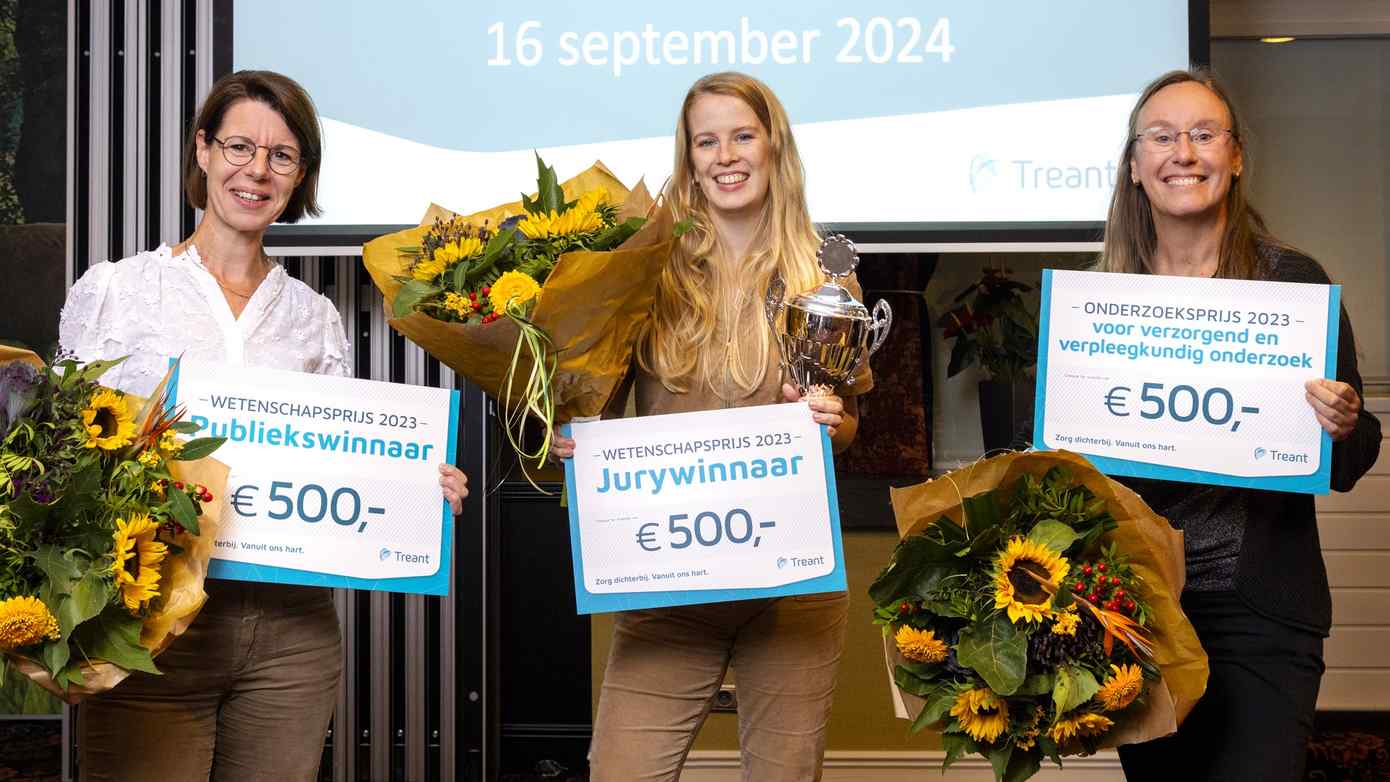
[{"x": 739, "y": 179}]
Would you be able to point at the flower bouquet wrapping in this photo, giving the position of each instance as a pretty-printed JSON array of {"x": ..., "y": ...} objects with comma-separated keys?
[
  {"x": 1031, "y": 610},
  {"x": 540, "y": 301},
  {"x": 105, "y": 521}
]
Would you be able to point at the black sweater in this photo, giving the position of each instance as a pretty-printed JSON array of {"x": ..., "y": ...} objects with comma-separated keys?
[{"x": 1280, "y": 571}]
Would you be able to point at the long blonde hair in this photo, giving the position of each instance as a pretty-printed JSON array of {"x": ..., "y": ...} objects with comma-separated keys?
[
  {"x": 680, "y": 345},
  {"x": 1130, "y": 237}
]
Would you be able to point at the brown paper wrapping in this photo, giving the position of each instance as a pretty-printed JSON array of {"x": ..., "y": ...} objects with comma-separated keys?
[
  {"x": 8, "y": 354},
  {"x": 593, "y": 305},
  {"x": 1155, "y": 551},
  {"x": 181, "y": 586}
]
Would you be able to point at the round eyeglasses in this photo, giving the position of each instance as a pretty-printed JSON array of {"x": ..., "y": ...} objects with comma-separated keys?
[
  {"x": 239, "y": 150},
  {"x": 1162, "y": 139}
]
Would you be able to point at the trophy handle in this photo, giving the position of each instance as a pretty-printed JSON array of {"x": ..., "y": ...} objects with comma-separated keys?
[
  {"x": 772, "y": 307},
  {"x": 883, "y": 319}
]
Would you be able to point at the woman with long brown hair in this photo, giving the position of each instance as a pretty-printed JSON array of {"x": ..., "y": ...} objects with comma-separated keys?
[
  {"x": 1256, "y": 588},
  {"x": 738, "y": 179}
]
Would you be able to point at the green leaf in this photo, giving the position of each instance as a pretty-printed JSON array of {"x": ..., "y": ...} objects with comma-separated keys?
[
  {"x": 1022, "y": 765},
  {"x": 89, "y": 597},
  {"x": 54, "y": 655},
  {"x": 495, "y": 249},
  {"x": 1037, "y": 684},
  {"x": 682, "y": 227},
  {"x": 1049, "y": 748},
  {"x": 58, "y": 568},
  {"x": 956, "y": 745},
  {"x": 199, "y": 448},
  {"x": 410, "y": 295},
  {"x": 460, "y": 277},
  {"x": 940, "y": 705},
  {"x": 185, "y": 427},
  {"x": 910, "y": 682},
  {"x": 963, "y": 354},
  {"x": 114, "y": 636},
  {"x": 999, "y": 756},
  {"x": 184, "y": 512},
  {"x": 919, "y": 563},
  {"x": 998, "y": 651},
  {"x": 618, "y": 233},
  {"x": 1075, "y": 686},
  {"x": 81, "y": 493},
  {"x": 549, "y": 197},
  {"x": 933, "y": 711},
  {"x": 1053, "y": 534},
  {"x": 981, "y": 513}
]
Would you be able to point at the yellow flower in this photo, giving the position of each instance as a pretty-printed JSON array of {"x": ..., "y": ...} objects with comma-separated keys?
[
  {"x": 1029, "y": 737},
  {"x": 1121, "y": 688},
  {"x": 982, "y": 714},
  {"x": 576, "y": 221},
  {"x": 1065, "y": 622},
  {"x": 25, "y": 621},
  {"x": 512, "y": 285},
  {"x": 108, "y": 423},
  {"x": 920, "y": 646},
  {"x": 138, "y": 580},
  {"x": 427, "y": 269},
  {"x": 458, "y": 304},
  {"x": 1016, "y": 582},
  {"x": 157, "y": 487},
  {"x": 170, "y": 443},
  {"x": 1079, "y": 726},
  {"x": 590, "y": 200},
  {"x": 149, "y": 457}
]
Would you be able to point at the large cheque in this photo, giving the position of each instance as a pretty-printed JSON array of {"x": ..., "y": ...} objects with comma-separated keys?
[
  {"x": 334, "y": 481},
  {"x": 1187, "y": 379},
  {"x": 706, "y": 507}
]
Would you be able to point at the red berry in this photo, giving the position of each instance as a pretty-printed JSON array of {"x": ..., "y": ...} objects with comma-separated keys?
[
  {"x": 1079, "y": 586},
  {"x": 1093, "y": 597},
  {"x": 178, "y": 485},
  {"x": 487, "y": 290},
  {"x": 1101, "y": 567},
  {"x": 1129, "y": 605},
  {"x": 1086, "y": 570},
  {"x": 473, "y": 295},
  {"x": 904, "y": 608},
  {"x": 1119, "y": 594}
]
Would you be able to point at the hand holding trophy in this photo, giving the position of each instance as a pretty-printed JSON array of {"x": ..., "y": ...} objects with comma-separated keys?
[{"x": 826, "y": 333}]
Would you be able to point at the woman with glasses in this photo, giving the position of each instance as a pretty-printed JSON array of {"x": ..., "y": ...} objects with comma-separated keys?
[
  {"x": 1256, "y": 588},
  {"x": 247, "y": 692}
]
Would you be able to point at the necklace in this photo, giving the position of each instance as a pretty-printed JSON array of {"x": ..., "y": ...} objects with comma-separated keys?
[{"x": 264, "y": 262}]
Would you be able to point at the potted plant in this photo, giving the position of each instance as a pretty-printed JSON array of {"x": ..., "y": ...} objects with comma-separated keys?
[{"x": 993, "y": 326}]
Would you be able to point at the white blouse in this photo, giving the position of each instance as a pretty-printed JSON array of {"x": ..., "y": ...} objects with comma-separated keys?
[{"x": 156, "y": 305}]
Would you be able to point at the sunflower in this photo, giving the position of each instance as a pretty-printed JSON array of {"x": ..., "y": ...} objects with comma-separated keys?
[
  {"x": 1026, "y": 575},
  {"x": 1029, "y": 737},
  {"x": 1121, "y": 688},
  {"x": 25, "y": 621},
  {"x": 920, "y": 646},
  {"x": 512, "y": 285},
  {"x": 135, "y": 540},
  {"x": 1079, "y": 726},
  {"x": 982, "y": 714},
  {"x": 108, "y": 423},
  {"x": 577, "y": 220},
  {"x": 427, "y": 269},
  {"x": 589, "y": 201}
]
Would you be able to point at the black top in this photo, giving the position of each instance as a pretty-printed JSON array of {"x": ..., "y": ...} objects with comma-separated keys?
[{"x": 1279, "y": 571}]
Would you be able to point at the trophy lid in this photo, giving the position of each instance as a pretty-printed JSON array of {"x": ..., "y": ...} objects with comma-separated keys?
[{"x": 838, "y": 259}]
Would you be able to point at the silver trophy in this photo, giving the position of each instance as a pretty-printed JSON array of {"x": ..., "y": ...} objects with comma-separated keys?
[{"x": 826, "y": 333}]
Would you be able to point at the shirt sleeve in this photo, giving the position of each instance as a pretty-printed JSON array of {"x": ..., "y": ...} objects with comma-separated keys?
[
  {"x": 79, "y": 334},
  {"x": 336, "y": 359}
]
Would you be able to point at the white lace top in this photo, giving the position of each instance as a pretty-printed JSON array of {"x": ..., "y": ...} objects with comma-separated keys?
[{"x": 156, "y": 305}]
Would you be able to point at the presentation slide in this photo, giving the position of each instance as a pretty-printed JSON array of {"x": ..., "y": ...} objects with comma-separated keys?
[{"x": 909, "y": 114}]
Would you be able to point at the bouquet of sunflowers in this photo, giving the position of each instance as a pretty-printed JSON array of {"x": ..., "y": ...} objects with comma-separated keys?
[
  {"x": 539, "y": 302},
  {"x": 1031, "y": 611},
  {"x": 101, "y": 509}
]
